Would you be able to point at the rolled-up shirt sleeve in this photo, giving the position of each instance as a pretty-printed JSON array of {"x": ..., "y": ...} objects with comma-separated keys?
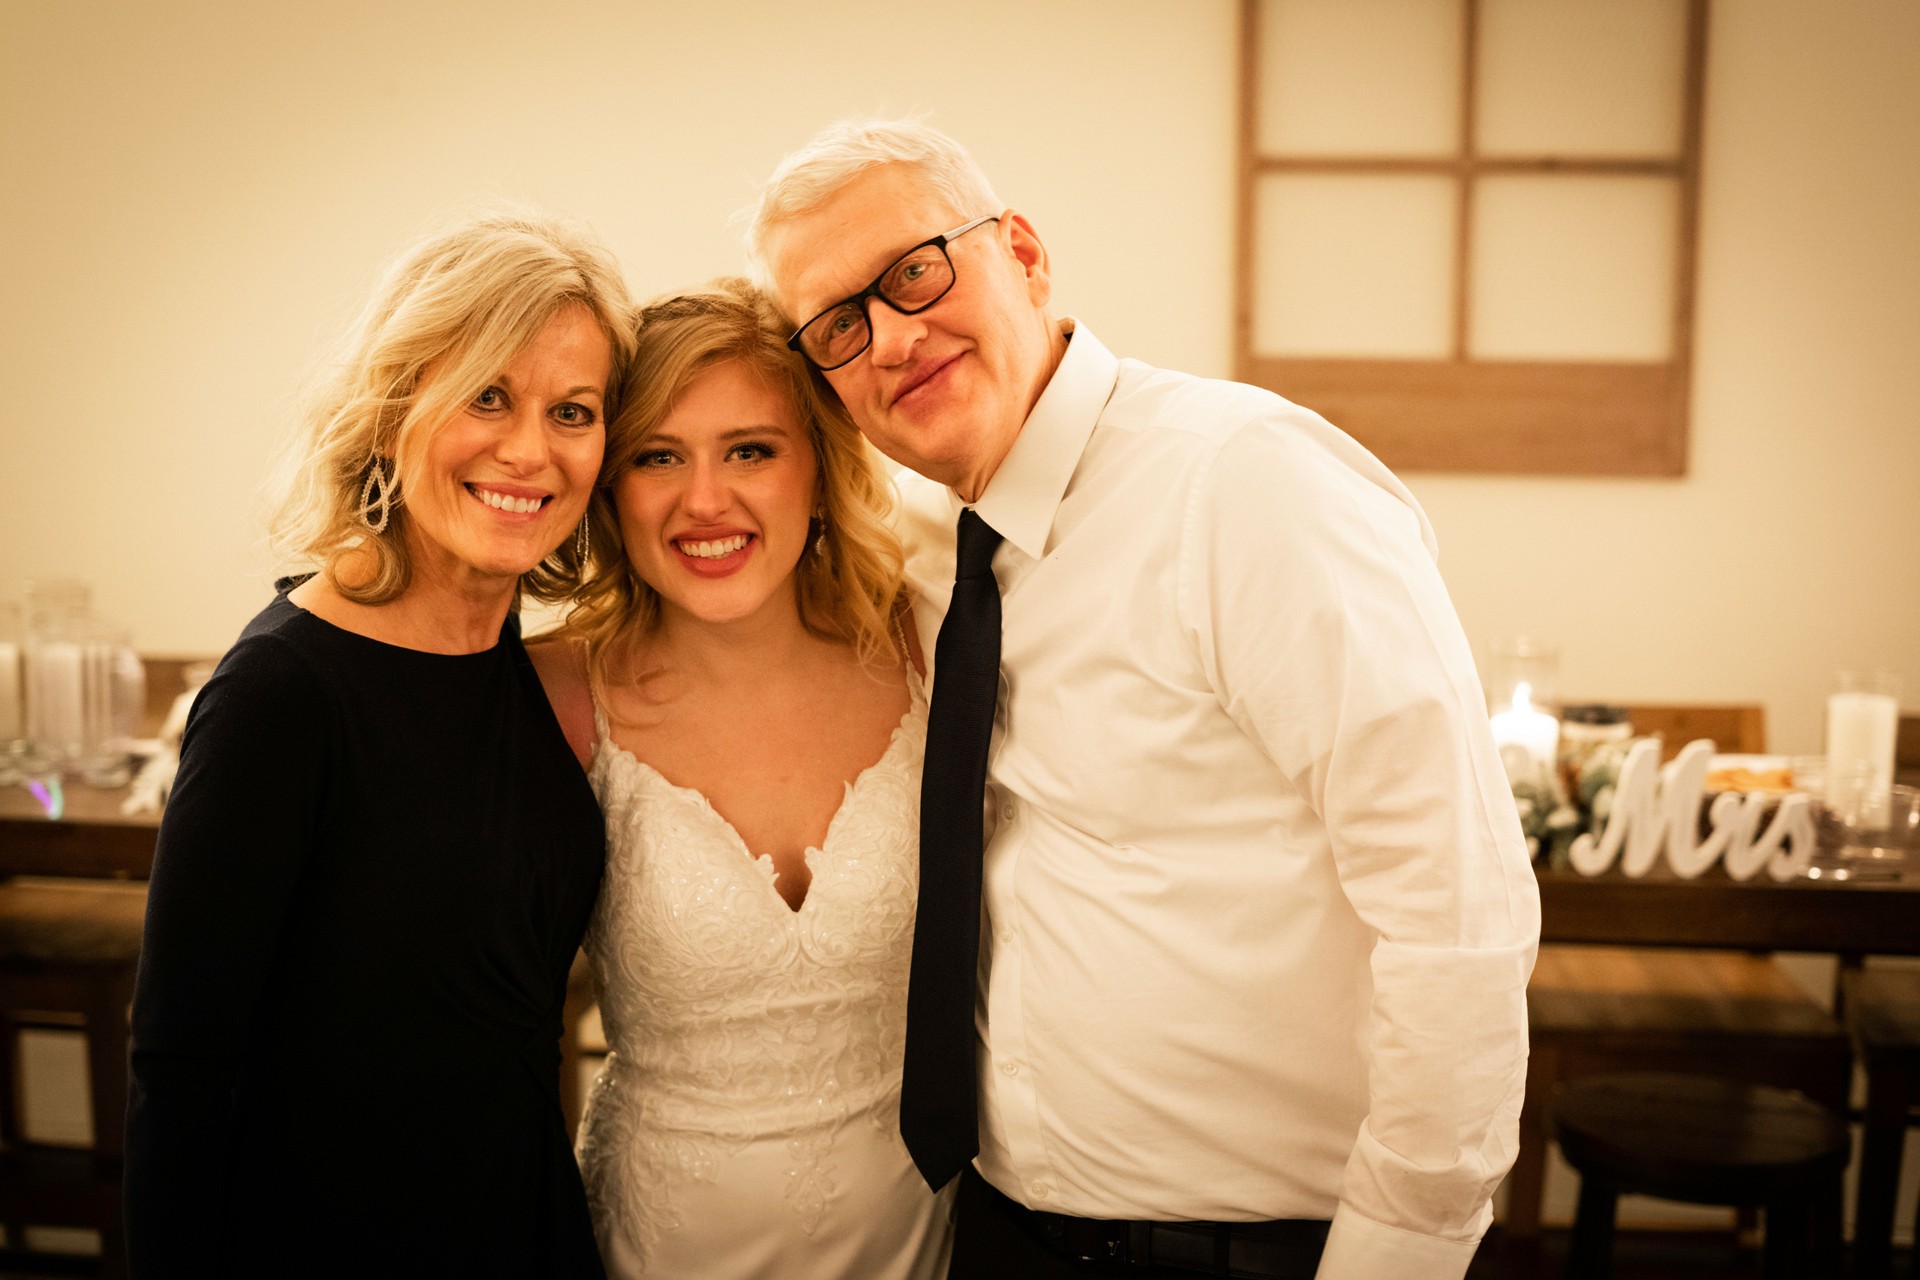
[{"x": 1309, "y": 580}]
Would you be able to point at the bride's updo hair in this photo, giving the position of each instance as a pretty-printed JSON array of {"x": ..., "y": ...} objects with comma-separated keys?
[{"x": 849, "y": 586}]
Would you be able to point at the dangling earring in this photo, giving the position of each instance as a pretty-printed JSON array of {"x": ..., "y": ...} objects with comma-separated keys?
[
  {"x": 375, "y": 508},
  {"x": 582, "y": 541},
  {"x": 820, "y": 539}
]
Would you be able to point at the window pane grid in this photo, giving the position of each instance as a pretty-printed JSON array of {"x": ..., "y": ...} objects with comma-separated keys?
[{"x": 1664, "y": 354}]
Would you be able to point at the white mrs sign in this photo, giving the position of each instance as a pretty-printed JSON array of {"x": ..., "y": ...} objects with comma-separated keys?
[{"x": 1655, "y": 806}]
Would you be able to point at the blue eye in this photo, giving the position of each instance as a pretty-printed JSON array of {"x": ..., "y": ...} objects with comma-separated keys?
[
  {"x": 917, "y": 279},
  {"x": 574, "y": 415},
  {"x": 491, "y": 398}
]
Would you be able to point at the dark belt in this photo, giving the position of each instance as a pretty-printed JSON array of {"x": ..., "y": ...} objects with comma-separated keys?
[{"x": 1285, "y": 1249}]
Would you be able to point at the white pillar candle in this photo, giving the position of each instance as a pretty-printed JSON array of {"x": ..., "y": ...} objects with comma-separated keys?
[
  {"x": 53, "y": 698},
  {"x": 1861, "y": 728},
  {"x": 11, "y": 724},
  {"x": 1527, "y": 737}
]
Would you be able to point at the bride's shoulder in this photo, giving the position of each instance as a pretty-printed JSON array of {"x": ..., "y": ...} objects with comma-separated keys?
[{"x": 560, "y": 661}]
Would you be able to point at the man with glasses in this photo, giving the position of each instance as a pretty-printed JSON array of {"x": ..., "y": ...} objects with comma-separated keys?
[{"x": 1211, "y": 808}]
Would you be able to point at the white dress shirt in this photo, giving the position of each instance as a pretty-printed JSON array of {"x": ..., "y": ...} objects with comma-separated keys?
[{"x": 1259, "y": 918}]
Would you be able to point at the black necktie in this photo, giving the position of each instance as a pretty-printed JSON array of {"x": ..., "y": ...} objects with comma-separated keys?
[{"x": 939, "y": 1106}]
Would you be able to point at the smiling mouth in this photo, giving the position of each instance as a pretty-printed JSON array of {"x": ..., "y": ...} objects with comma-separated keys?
[
  {"x": 922, "y": 378},
  {"x": 714, "y": 549},
  {"x": 507, "y": 502}
]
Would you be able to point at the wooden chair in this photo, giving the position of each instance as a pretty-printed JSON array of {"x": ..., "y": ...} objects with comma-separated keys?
[
  {"x": 1739, "y": 728},
  {"x": 1594, "y": 1010},
  {"x": 1883, "y": 1014},
  {"x": 1706, "y": 1140},
  {"x": 67, "y": 959},
  {"x": 1906, "y": 752}
]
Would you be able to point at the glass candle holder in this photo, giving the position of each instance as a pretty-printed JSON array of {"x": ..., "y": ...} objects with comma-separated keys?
[
  {"x": 113, "y": 696},
  {"x": 1863, "y": 720},
  {"x": 13, "y": 710},
  {"x": 58, "y": 625},
  {"x": 1523, "y": 661},
  {"x": 1522, "y": 685}
]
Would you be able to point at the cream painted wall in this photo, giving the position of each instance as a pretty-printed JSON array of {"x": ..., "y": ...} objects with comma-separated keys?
[
  {"x": 195, "y": 194},
  {"x": 1788, "y": 550}
]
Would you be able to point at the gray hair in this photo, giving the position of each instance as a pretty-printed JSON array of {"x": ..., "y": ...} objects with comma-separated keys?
[{"x": 846, "y": 149}]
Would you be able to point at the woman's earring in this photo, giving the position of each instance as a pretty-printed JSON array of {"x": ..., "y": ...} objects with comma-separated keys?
[
  {"x": 375, "y": 507},
  {"x": 582, "y": 542},
  {"x": 820, "y": 539}
]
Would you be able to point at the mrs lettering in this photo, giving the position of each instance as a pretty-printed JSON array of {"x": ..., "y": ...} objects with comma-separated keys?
[{"x": 1655, "y": 807}]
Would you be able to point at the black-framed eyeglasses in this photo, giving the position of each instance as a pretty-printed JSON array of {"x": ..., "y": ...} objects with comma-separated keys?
[{"x": 913, "y": 282}]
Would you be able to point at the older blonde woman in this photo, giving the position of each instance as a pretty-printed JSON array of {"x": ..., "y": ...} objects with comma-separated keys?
[
  {"x": 379, "y": 857},
  {"x": 744, "y": 700}
]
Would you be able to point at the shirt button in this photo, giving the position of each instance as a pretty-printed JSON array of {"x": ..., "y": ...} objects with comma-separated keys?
[
  {"x": 1010, "y": 1068},
  {"x": 1008, "y": 810},
  {"x": 1042, "y": 1190}
]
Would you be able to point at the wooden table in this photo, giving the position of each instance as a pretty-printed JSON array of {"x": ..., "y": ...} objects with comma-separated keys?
[
  {"x": 1727, "y": 1012},
  {"x": 92, "y": 839},
  {"x": 1846, "y": 917}
]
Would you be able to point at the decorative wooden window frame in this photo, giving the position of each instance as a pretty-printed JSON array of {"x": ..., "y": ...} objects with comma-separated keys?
[{"x": 1478, "y": 415}]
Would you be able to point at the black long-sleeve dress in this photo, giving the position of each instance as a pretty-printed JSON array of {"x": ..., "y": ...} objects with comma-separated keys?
[{"x": 372, "y": 876}]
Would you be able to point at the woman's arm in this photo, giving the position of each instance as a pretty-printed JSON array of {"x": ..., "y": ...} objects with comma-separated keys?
[{"x": 238, "y": 829}]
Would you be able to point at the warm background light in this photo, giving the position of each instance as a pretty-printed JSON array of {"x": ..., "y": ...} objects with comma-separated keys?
[{"x": 194, "y": 194}]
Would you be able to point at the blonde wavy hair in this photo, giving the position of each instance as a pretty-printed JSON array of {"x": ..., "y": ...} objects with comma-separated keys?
[
  {"x": 462, "y": 303},
  {"x": 850, "y": 589}
]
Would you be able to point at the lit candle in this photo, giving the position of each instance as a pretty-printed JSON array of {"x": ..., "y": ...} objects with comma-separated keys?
[{"x": 1527, "y": 737}]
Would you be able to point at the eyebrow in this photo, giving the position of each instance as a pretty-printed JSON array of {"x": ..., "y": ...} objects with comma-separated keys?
[
  {"x": 585, "y": 389},
  {"x": 737, "y": 433},
  {"x": 869, "y": 278}
]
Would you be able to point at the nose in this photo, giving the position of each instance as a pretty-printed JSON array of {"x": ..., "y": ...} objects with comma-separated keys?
[
  {"x": 523, "y": 444},
  {"x": 706, "y": 494},
  {"x": 894, "y": 335}
]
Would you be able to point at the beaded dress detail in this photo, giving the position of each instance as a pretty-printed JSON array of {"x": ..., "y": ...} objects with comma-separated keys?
[{"x": 755, "y": 1048}]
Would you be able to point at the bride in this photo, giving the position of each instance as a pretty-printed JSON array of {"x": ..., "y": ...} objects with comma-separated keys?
[{"x": 735, "y": 679}]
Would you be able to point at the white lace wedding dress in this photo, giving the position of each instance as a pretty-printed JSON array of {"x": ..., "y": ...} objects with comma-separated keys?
[{"x": 747, "y": 1121}]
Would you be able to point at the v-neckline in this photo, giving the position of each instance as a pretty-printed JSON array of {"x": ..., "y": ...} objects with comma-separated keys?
[{"x": 764, "y": 861}]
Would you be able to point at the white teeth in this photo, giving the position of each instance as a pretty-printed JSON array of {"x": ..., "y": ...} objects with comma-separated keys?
[
  {"x": 714, "y": 550},
  {"x": 504, "y": 502}
]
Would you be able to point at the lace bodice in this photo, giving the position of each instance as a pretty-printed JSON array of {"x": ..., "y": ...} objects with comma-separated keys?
[{"x": 731, "y": 1016}]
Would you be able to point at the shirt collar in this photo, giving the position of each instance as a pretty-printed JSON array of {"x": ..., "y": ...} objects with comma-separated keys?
[{"x": 1026, "y": 489}]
